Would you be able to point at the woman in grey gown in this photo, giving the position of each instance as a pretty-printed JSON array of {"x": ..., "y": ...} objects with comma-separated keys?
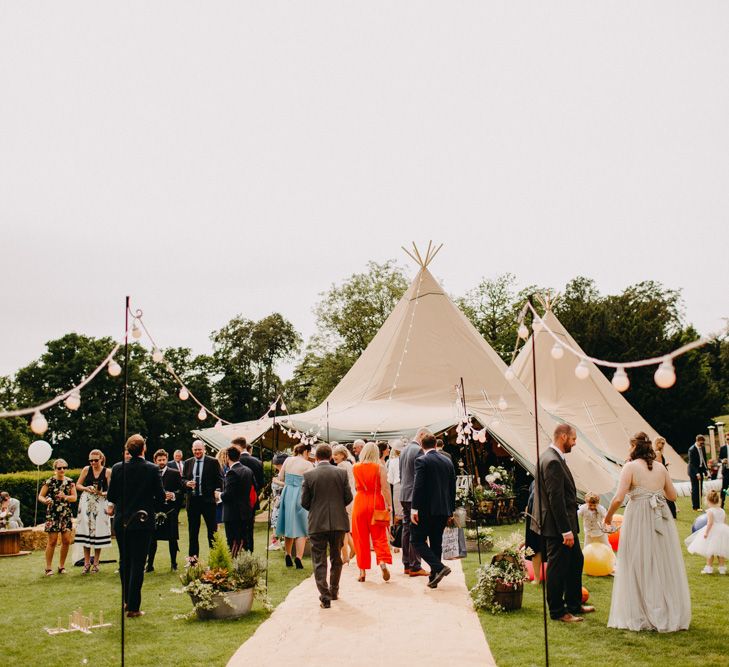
[{"x": 650, "y": 591}]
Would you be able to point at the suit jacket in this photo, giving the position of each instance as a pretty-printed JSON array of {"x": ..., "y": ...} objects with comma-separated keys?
[
  {"x": 172, "y": 481},
  {"x": 326, "y": 493},
  {"x": 696, "y": 461},
  {"x": 407, "y": 470},
  {"x": 434, "y": 487},
  {"x": 142, "y": 492},
  {"x": 236, "y": 496},
  {"x": 211, "y": 478},
  {"x": 723, "y": 455},
  {"x": 556, "y": 499},
  {"x": 256, "y": 467},
  {"x": 173, "y": 465}
]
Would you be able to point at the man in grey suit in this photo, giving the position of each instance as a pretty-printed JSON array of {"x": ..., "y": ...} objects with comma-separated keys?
[
  {"x": 326, "y": 493},
  {"x": 557, "y": 511},
  {"x": 410, "y": 557}
]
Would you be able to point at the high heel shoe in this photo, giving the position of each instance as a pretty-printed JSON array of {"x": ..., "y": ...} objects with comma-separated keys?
[
  {"x": 298, "y": 563},
  {"x": 361, "y": 576},
  {"x": 289, "y": 562},
  {"x": 385, "y": 571}
]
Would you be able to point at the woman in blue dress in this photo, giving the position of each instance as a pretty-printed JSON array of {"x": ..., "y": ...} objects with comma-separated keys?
[{"x": 292, "y": 517}]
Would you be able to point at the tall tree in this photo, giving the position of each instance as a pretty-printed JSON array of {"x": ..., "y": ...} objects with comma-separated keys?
[{"x": 15, "y": 436}]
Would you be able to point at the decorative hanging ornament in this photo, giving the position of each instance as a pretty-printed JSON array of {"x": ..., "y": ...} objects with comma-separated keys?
[
  {"x": 509, "y": 374},
  {"x": 202, "y": 415},
  {"x": 113, "y": 368},
  {"x": 283, "y": 407},
  {"x": 582, "y": 371},
  {"x": 482, "y": 435},
  {"x": 136, "y": 331},
  {"x": 665, "y": 375},
  {"x": 218, "y": 424},
  {"x": 38, "y": 424},
  {"x": 73, "y": 400},
  {"x": 620, "y": 380},
  {"x": 523, "y": 331},
  {"x": 503, "y": 404},
  {"x": 184, "y": 394},
  {"x": 157, "y": 355},
  {"x": 557, "y": 351}
]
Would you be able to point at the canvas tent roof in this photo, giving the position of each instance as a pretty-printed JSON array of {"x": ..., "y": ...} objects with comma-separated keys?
[
  {"x": 407, "y": 377},
  {"x": 592, "y": 405}
]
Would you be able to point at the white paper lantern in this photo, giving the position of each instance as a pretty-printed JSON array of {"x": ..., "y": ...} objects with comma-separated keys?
[
  {"x": 218, "y": 424},
  {"x": 620, "y": 380},
  {"x": 523, "y": 331},
  {"x": 39, "y": 452},
  {"x": 136, "y": 331},
  {"x": 184, "y": 394},
  {"x": 503, "y": 404},
  {"x": 73, "y": 400},
  {"x": 202, "y": 415},
  {"x": 157, "y": 355},
  {"x": 509, "y": 374},
  {"x": 113, "y": 368},
  {"x": 582, "y": 371},
  {"x": 557, "y": 351},
  {"x": 38, "y": 424},
  {"x": 665, "y": 375}
]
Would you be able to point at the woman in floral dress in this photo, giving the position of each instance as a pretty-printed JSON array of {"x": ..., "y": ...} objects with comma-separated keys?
[
  {"x": 93, "y": 527},
  {"x": 57, "y": 494}
]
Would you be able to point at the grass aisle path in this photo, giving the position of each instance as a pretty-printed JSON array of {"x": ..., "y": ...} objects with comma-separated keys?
[
  {"x": 30, "y": 602},
  {"x": 517, "y": 639}
]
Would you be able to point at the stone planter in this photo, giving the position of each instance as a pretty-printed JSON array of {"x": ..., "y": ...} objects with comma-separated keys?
[{"x": 238, "y": 604}]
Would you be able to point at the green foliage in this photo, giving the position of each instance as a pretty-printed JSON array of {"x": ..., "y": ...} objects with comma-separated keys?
[
  {"x": 22, "y": 485},
  {"x": 506, "y": 569},
  {"x": 220, "y": 557}
]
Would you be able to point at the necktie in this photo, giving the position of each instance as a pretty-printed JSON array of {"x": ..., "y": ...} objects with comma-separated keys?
[{"x": 198, "y": 466}]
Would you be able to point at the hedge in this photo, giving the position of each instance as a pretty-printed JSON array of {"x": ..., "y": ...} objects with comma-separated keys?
[{"x": 22, "y": 485}]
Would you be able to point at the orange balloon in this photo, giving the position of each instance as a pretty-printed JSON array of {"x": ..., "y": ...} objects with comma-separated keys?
[
  {"x": 614, "y": 539},
  {"x": 585, "y": 595}
]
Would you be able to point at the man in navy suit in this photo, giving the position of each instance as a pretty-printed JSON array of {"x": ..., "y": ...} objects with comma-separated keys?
[
  {"x": 434, "y": 501},
  {"x": 724, "y": 459},
  {"x": 202, "y": 478},
  {"x": 236, "y": 498},
  {"x": 256, "y": 467},
  {"x": 134, "y": 523},
  {"x": 697, "y": 470}
]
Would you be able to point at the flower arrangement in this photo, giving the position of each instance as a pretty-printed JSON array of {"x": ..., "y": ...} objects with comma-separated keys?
[
  {"x": 504, "y": 576},
  {"x": 484, "y": 535},
  {"x": 208, "y": 584},
  {"x": 500, "y": 481}
]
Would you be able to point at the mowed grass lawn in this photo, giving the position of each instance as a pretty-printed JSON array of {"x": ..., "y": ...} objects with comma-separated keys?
[
  {"x": 30, "y": 602},
  {"x": 517, "y": 638}
]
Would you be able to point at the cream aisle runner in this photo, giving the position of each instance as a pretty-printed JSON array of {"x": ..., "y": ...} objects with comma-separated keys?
[{"x": 400, "y": 622}]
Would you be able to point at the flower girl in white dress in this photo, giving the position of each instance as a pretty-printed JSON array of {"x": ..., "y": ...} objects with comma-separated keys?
[{"x": 713, "y": 539}]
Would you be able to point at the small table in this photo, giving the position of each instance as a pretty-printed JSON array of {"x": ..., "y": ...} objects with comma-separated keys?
[{"x": 10, "y": 542}]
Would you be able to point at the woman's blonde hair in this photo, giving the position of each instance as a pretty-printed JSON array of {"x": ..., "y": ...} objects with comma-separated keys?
[
  {"x": 370, "y": 453},
  {"x": 100, "y": 454},
  {"x": 713, "y": 497},
  {"x": 57, "y": 461},
  {"x": 341, "y": 449},
  {"x": 222, "y": 457}
]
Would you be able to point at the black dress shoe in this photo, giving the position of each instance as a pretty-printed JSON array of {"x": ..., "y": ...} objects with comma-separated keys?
[
  {"x": 174, "y": 567},
  {"x": 289, "y": 562},
  {"x": 325, "y": 604},
  {"x": 299, "y": 564},
  {"x": 334, "y": 596},
  {"x": 149, "y": 569},
  {"x": 433, "y": 583}
]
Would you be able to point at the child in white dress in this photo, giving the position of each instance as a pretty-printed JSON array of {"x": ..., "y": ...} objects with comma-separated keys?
[
  {"x": 593, "y": 514},
  {"x": 713, "y": 539}
]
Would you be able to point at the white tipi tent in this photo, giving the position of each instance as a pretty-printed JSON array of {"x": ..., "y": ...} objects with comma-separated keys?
[
  {"x": 592, "y": 405},
  {"x": 407, "y": 378}
]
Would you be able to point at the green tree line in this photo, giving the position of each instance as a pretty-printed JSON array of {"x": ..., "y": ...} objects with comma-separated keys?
[{"x": 238, "y": 379}]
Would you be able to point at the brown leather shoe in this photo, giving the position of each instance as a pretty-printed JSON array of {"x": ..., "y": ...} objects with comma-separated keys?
[
  {"x": 569, "y": 618},
  {"x": 587, "y": 609},
  {"x": 134, "y": 614},
  {"x": 407, "y": 570},
  {"x": 419, "y": 573}
]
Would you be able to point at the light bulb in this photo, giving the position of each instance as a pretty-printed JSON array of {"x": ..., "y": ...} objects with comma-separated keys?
[
  {"x": 557, "y": 351},
  {"x": 184, "y": 394},
  {"x": 482, "y": 436},
  {"x": 157, "y": 355},
  {"x": 665, "y": 375},
  {"x": 503, "y": 404},
  {"x": 113, "y": 368},
  {"x": 523, "y": 331},
  {"x": 202, "y": 415},
  {"x": 621, "y": 381},
  {"x": 73, "y": 400},
  {"x": 38, "y": 424},
  {"x": 283, "y": 407},
  {"x": 136, "y": 331},
  {"x": 218, "y": 424},
  {"x": 582, "y": 371},
  {"x": 509, "y": 374},
  {"x": 537, "y": 325}
]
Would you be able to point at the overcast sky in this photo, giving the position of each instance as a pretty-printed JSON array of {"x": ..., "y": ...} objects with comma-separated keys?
[{"x": 215, "y": 158}]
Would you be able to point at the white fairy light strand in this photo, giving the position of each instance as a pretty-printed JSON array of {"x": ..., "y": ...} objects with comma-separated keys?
[{"x": 407, "y": 337}]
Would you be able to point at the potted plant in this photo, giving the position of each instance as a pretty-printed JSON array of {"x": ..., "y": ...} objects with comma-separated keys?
[
  {"x": 484, "y": 536},
  {"x": 500, "y": 584},
  {"x": 226, "y": 586}
]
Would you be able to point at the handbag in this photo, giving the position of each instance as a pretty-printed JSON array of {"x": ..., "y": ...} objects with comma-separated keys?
[
  {"x": 379, "y": 517},
  {"x": 396, "y": 535}
]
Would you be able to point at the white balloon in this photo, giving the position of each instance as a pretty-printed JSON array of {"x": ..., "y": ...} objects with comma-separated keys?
[{"x": 39, "y": 452}]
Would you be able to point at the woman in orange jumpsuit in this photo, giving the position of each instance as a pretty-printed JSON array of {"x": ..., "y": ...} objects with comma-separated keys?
[{"x": 373, "y": 492}]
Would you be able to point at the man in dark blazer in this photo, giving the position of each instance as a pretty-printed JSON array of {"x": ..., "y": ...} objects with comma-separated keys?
[
  {"x": 202, "y": 478},
  {"x": 697, "y": 470},
  {"x": 413, "y": 450},
  {"x": 433, "y": 502},
  {"x": 556, "y": 509},
  {"x": 256, "y": 467},
  {"x": 134, "y": 523},
  {"x": 177, "y": 463},
  {"x": 724, "y": 460},
  {"x": 236, "y": 498},
  {"x": 167, "y": 530},
  {"x": 326, "y": 493}
]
